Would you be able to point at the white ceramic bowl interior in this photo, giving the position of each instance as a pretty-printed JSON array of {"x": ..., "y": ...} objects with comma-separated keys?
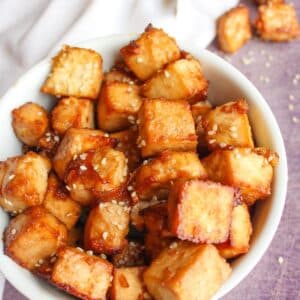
[{"x": 226, "y": 83}]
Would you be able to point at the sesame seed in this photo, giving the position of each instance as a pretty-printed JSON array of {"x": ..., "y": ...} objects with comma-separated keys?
[
  {"x": 131, "y": 82},
  {"x": 131, "y": 119},
  {"x": 48, "y": 134},
  {"x": 133, "y": 194},
  {"x": 139, "y": 60},
  {"x": 173, "y": 245},
  {"x": 105, "y": 235},
  {"x": 104, "y": 161},
  {"x": 246, "y": 61},
  {"x": 154, "y": 198},
  {"x": 167, "y": 74},
  {"x": 89, "y": 252},
  {"x": 215, "y": 127},
  {"x": 211, "y": 132},
  {"x": 130, "y": 188},
  {"x": 111, "y": 278},
  {"x": 234, "y": 135},
  {"x": 106, "y": 135},
  {"x": 122, "y": 203},
  {"x": 56, "y": 138},
  {"x": 96, "y": 167},
  {"x": 295, "y": 119},
  {"x": 83, "y": 156},
  {"x": 37, "y": 265},
  {"x": 120, "y": 227},
  {"x": 69, "y": 214},
  {"x": 291, "y": 107},
  {"x": 40, "y": 261},
  {"x": 12, "y": 176},
  {"x": 48, "y": 139},
  {"x": 39, "y": 113},
  {"x": 222, "y": 145},
  {"x": 83, "y": 168},
  {"x": 53, "y": 259},
  {"x": 129, "y": 89},
  {"x": 13, "y": 231},
  {"x": 8, "y": 202},
  {"x": 114, "y": 202},
  {"x": 75, "y": 157},
  {"x": 212, "y": 141},
  {"x": 102, "y": 255},
  {"x": 80, "y": 249},
  {"x": 68, "y": 188},
  {"x": 143, "y": 143},
  {"x": 280, "y": 260},
  {"x": 233, "y": 128}
]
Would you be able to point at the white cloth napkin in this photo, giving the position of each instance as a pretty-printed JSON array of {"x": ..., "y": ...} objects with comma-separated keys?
[{"x": 31, "y": 30}]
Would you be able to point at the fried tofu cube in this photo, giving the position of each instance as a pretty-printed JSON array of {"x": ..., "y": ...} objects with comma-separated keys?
[
  {"x": 166, "y": 125},
  {"x": 33, "y": 236},
  {"x": 234, "y": 29},
  {"x": 72, "y": 112},
  {"x": 180, "y": 80},
  {"x": 188, "y": 271},
  {"x": 118, "y": 106},
  {"x": 228, "y": 126},
  {"x": 240, "y": 233},
  {"x": 243, "y": 168},
  {"x": 155, "y": 244},
  {"x": 75, "y": 142},
  {"x": 97, "y": 174},
  {"x": 30, "y": 122},
  {"x": 128, "y": 284},
  {"x": 277, "y": 22},
  {"x": 106, "y": 228},
  {"x": 60, "y": 204},
  {"x": 200, "y": 211},
  {"x": 75, "y": 72},
  {"x": 82, "y": 275},
  {"x": 155, "y": 178},
  {"x": 150, "y": 52},
  {"x": 24, "y": 182},
  {"x": 259, "y": 2}
]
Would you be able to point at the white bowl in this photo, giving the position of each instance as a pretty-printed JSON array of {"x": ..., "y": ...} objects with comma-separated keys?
[{"x": 226, "y": 83}]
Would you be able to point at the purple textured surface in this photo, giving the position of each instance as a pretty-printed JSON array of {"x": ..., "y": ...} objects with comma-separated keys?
[{"x": 272, "y": 68}]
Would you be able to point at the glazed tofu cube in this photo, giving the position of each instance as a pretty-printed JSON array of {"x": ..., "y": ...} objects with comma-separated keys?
[
  {"x": 243, "y": 168},
  {"x": 150, "y": 52},
  {"x": 30, "y": 122},
  {"x": 75, "y": 72},
  {"x": 126, "y": 142},
  {"x": 128, "y": 284},
  {"x": 154, "y": 179},
  {"x": 155, "y": 244},
  {"x": 75, "y": 142},
  {"x": 200, "y": 211},
  {"x": 97, "y": 175},
  {"x": 33, "y": 236},
  {"x": 118, "y": 106},
  {"x": 24, "y": 182},
  {"x": 269, "y": 1},
  {"x": 106, "y": 228},
  {"x": 234, "y": 29},
  {"x": 188, "y": 271},
  {"x": 182, "y": 79},
  {"x": 59, "y": 203},
  {"x": 228, "y": 126},
  {"x": 72, "y": 112},
  {"x": 164, "y": 125},
  {"x": 82, "y": 275},
  {"x": 240, "y": 233},
  {"x": 277, "y": 22}
]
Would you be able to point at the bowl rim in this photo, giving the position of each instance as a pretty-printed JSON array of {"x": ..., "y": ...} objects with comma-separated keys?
[{"x": 270, "y": 228}]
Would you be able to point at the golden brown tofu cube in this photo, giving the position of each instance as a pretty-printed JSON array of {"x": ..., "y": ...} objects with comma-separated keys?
[
  {"x": 150, "y": 52},
  {"x": 200, "y": 211},
  {"x": 154, "y": 179},
  {"x": 72, "y": 113},
  {"x": 118, "y": 106},
  {"x": 243, "y": 168},
  {"x": 240, "y": 233},
  {"x": 269, "y": 1},
  {"x": 97, "y": 174},
  {"x": 228, "y": 126},
  {"x": 106, "y": 228},
  {"x": 234, "y": 29},
  {"x": 128, "y": 284},
  {"x": 75, "y": 142},
  {"x": 186, "y": 271},
  {"x": 60, "y": 204},
  {"x": 33, "y": 236},
  {"x": 277, "y": 22},
  {"x": 24, "y": 182},
  {"x": 30, "y": 122},
  {"x": 75, "y": 72},
  {"x": 166, "y": 125},
  {"x": 180, "y": 80},
  {"x": 82, "y": 275}
]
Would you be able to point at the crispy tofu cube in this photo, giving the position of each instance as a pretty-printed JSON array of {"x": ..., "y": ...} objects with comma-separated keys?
[
  {"x": 30, "y": 122},
  {"x": 127, "y": 144},
  {"x": 72, "y": 112},
  {"x": 234, "y": 29},
  {"x": 154, "y": 179},
  {"x": 33, "y": 236},
  {"x": 243, "y": 168},
  {"x": 75, "y": 72},
  {"x": 82, "y": 275},
  {"x": 200, "y": 211},
  {"x": 97, "y": 174},
  {"x": 150, "y": 52},
  {"x": 128, "y": 284},
  {"x": 60, "y": 204},
  {"x": 277, "y": 22},
  {"x": 118, "y": 106},
  {"x": 75, "y": 142},
  {"x": 155, "y": 244},
  {"x": 228, "y": 126},
  {"x": 259, "y": 2},
  {"x": 24, "y": 182},
  {"x": 180, "y": 80},
  {"x": 188, "y": 271},
  {"x": 240, "y": 233},
  {"x": 106, "y": 228},
  {"x": 166, "y": 125}
]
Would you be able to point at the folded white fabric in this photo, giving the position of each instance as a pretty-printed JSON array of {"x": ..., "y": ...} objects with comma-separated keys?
[{"x": 31, "y": 30}]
